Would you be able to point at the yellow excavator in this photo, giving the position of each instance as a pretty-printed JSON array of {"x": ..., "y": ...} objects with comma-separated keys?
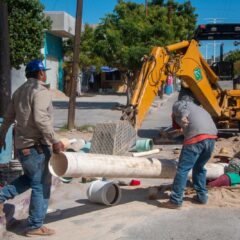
[{"x": 185, "y": 61}]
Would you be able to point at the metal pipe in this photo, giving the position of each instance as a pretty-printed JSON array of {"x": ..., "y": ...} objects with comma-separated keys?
[
  {"x": 178, "y": 46},
  {"x": 70, "y": 164}
]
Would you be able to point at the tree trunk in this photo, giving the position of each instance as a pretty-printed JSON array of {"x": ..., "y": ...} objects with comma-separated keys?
[{"x": 5, "y": 67}]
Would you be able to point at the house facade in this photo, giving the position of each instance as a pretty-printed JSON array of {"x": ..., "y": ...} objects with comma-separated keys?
[{"x": 63, "y": 26}]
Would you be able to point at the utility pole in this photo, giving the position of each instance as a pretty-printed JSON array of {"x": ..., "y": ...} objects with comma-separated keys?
[
  {"x": 221, "y": 52},
  {"x": 146, "y": 7},
  {"x": 75, "y": 68},
  {"x": 5, "y": 67},
  {"x": 206, "y": 57},
  {"x": 169, "y": 14}
]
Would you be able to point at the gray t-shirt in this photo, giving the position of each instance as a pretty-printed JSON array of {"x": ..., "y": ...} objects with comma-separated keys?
[{"x": 200, "y": 121}]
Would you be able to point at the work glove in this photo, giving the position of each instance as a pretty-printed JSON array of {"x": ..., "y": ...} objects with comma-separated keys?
[{"x": 58, "y": 147}]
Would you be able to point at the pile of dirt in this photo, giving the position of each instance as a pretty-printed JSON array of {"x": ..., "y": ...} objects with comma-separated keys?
[
  {"x": 225, "y": 149},
  {"x": 218, "y": 197},
  {"x": 227, "y": 197}
]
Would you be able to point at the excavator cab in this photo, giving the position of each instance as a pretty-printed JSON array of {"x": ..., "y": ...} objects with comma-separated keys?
[
  {"x": 212, "y": 32},
  {"x": 224, "y": 70},
  {"x": 217, "y": 31}
]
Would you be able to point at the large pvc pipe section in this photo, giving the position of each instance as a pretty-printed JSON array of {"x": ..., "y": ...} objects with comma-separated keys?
[
  {"x": 74, "y": 164},
  {"x": 106, "y": 192}
]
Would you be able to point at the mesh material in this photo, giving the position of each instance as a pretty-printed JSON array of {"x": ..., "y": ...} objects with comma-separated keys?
[
  {"x": 234, "y": 165},
  {"x": 114, "y": 138}
]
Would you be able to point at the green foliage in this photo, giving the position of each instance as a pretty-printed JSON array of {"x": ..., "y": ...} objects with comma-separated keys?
[
  {"x": 125, "y": 35},
  {"x": 234, "y": 56},
  {"x": 27, "y": 24},
  {"x": 87, "y": 56}
]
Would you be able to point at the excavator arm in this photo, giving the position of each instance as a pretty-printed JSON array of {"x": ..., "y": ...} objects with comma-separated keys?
[{"x": 182, "y": 60}]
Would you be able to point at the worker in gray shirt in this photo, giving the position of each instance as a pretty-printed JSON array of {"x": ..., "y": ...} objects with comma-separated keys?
[
  {"x": 31, "y": 110},
  {"x": 200, "y": 134}
]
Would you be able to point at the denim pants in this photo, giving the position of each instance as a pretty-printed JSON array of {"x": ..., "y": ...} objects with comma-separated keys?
[
  {"x": 193, "y": 156},
  {"x": 37, "y": 177}
]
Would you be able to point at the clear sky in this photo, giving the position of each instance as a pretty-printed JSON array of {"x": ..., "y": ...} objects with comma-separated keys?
[
  {"x": 221, "y": 11},
  {"x": 93, "y": 10}
]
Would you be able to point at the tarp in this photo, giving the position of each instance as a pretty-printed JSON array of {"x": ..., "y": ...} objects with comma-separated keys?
[{"x": 108, "y": 69}]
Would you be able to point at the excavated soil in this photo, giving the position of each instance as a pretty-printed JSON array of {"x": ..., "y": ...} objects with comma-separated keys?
[{"x": 218, "y": 197}]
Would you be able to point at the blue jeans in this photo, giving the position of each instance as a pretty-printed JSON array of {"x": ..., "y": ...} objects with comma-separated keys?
[
  {"x": 193, "y": 156},
  {"x": 37, "y": 177}
]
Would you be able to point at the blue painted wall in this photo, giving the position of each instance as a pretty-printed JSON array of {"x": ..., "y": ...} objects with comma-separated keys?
[
  {"x": 53, "y": 47},
  {"x": 6, "y": 154}
]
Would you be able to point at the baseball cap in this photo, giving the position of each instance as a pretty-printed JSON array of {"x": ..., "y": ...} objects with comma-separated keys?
[{"x": 35, "y": 65}]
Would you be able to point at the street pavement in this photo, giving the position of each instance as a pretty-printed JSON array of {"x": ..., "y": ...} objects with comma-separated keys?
[
  {"x": 135, "y": 217},
  {"x": 93, "y": 109},
  {"x": 90, "y": 109}
]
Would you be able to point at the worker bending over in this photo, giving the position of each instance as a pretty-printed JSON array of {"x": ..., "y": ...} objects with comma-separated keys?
[{"x": 200, "y": 134}]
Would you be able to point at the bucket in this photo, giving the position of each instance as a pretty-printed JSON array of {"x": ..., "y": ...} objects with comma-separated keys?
[
  {"x": 86, "y": 147},
  {"x": 6, "y": 154},
  {"x": 105, "y": 192},
  {"x": 66, "y": 179},
  {"x": 143, "y": 145}
]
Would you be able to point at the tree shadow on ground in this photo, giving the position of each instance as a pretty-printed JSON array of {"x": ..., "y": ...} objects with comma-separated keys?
[
  {"x": 87, "y": 105},
  {"x": 148, "y": 133}
]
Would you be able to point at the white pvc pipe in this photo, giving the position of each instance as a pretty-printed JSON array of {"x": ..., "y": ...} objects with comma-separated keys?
[
  {"x": 141, "y": 154},
  {"x": 73, "y": 140},
  {"x": 214, "y": 170},
  {"x": 67, "y": 142},
  {"x": 74, "y": 164},
  {"x": 105, "y": 192}
]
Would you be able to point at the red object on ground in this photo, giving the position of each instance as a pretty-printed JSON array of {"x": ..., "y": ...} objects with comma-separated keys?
[
  {"x": 223, "y": 180},
  {"x": 135, "y": 182}
]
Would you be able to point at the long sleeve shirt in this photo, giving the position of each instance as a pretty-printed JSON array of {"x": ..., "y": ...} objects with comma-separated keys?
[
  {"x": 200, "y": 121},
  {"x": 31, "y": 109}
]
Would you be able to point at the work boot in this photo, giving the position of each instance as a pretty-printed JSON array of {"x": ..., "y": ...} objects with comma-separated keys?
[
  {"x": 170, "y": 205},
  {"x": 198, "y": 201},
  {"x": 42, "y": 231}
]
